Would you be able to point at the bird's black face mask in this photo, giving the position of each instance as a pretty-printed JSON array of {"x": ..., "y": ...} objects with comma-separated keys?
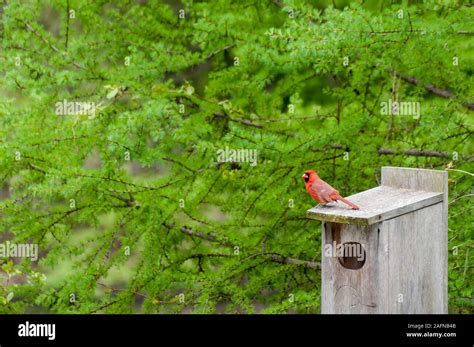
[{"x": 306, "y": 177}]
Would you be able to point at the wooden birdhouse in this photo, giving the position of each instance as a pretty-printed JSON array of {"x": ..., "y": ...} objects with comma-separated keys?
[{"x": 391, "y": 255}]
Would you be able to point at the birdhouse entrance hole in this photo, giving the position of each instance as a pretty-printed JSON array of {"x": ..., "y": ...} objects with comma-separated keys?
[{"x": 353, "y": 255}]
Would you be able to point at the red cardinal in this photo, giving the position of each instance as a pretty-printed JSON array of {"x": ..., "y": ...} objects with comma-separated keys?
[{"x": 321, "y": 191}]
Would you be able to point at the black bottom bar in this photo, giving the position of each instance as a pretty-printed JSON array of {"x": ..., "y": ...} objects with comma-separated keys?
[{"x": 327, "y": 330}]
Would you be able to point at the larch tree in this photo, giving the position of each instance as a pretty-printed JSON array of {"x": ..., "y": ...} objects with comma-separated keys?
[{"x": 153, "y": 150}]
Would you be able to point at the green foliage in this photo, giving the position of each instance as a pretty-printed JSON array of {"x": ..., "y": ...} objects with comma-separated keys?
[{"x": 130, "y": 207}]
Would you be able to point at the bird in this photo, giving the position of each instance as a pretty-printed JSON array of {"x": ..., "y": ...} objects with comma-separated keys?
[{"x": 322, "y": 191}]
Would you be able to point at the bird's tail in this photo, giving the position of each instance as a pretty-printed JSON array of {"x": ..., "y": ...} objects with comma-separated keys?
[{"x": 354, "y": 207}]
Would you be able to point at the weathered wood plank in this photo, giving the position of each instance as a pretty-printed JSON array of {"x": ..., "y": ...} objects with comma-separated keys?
[
  {"x": 346, "y": 290},
  {"x": 376, "y": 205},
  {"x": 417, "y": 260},
  {"x": 416, "y": 179}
]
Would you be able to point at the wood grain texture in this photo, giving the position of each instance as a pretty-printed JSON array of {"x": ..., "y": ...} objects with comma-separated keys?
[
  {"x": 417, "y": 262},
  {"x": 416, "y": 179}
]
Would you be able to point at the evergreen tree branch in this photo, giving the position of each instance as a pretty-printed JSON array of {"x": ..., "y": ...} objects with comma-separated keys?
[
  {"x": 49, "y": 44},
  {"x": 432, "y": 89},
  {"x": 414, "y": 152},
  {"x": 275, "y": 257}
]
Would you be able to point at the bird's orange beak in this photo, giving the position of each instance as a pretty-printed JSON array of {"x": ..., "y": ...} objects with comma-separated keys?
[{"x": 304, "y": 176}]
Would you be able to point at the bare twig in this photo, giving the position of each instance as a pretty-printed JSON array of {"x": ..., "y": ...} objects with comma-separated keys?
[
  {"x": 414, "y": 152},
  {"x": 277, "y": 258},
  {"x": 278, "y": 3},
  {"x": 460, "y": 197},
  {"x": 465, "y": 32},
  {"x": 49, "y": 44},
  {"x": 211, "y": 55},
  {"x": 209, "y": 237},
  {"x": 239, "y": 120},
  {"x": 67, "y": 25},
  {"x": 293, "y": 261},
  {"x": 466, "y": 172},
  {"x": 433, "y": 89}
]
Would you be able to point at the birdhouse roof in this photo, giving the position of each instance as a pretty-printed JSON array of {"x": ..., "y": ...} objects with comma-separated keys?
[{"x": 376, "y": 205}]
